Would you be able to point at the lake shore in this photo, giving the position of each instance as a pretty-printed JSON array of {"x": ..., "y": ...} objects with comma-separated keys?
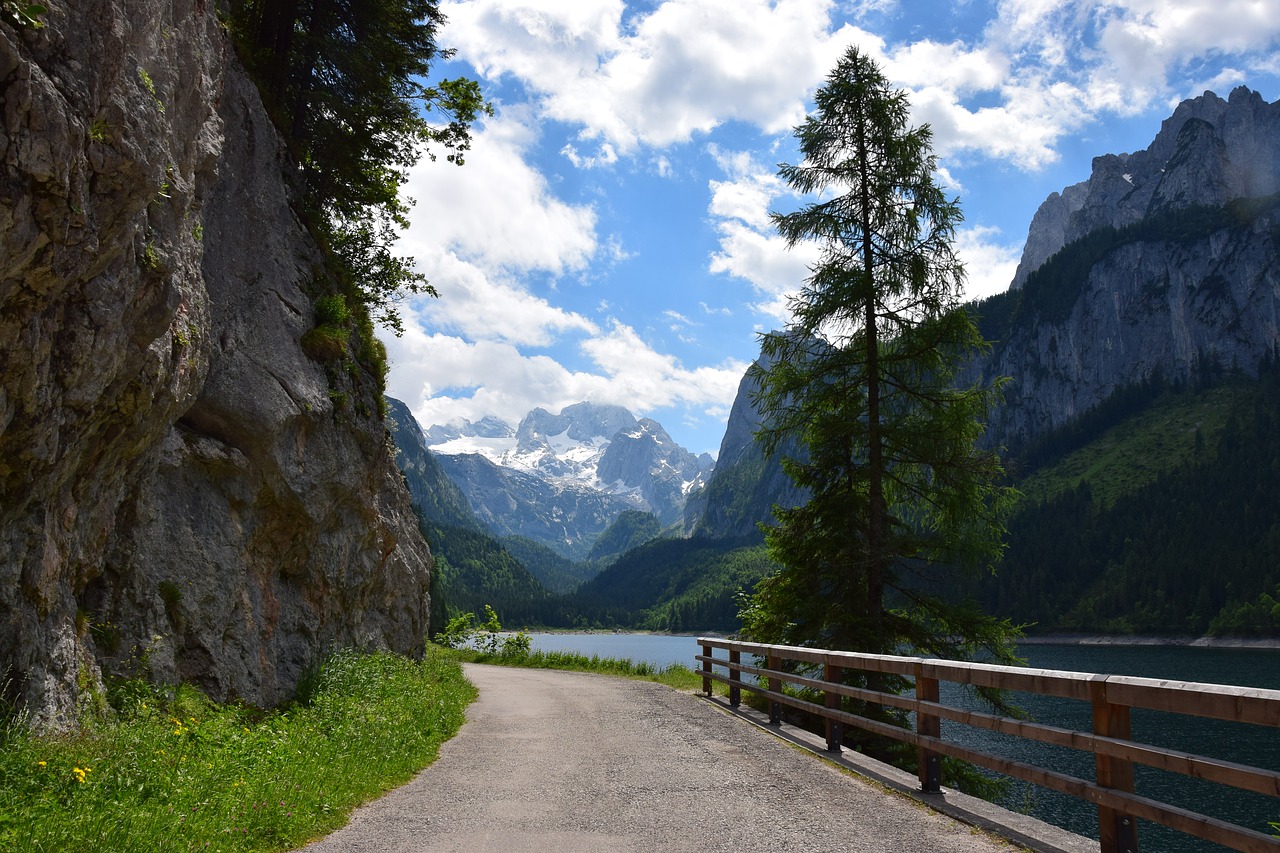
[
  {"x": 1036, "y": 640},
  {"x": 1132, "y": 640}
]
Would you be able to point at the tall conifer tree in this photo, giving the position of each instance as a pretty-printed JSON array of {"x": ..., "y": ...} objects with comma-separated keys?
[{"x": 864, "y": 382}]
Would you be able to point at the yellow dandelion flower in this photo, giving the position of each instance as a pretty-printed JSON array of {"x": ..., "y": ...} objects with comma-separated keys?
[
  {"x": 78, "y": 773},
  {"x": 43, "y": 763}
]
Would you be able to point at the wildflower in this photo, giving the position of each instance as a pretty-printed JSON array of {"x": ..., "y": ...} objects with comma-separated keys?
[
  {"x": 79, "y": 774},
  {"x": 43, "y": 763}
]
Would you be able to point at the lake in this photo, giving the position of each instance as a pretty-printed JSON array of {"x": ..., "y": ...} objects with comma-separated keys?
[{"x": 1245, "y": 744}]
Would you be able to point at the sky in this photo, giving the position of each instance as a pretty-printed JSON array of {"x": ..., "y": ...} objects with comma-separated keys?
[{"x": 608, "y": 238}]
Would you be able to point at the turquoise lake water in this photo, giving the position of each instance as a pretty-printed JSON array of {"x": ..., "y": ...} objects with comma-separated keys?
[{"x": 1244, "y": 744}]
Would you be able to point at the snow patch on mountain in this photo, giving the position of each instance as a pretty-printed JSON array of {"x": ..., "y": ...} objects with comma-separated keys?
[{"x": 587, "y": 446}]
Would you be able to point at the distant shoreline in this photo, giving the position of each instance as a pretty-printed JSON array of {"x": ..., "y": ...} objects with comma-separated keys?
[
  {"x": 1037, "y": 640},
  {"x": 1132, "y": 640}
]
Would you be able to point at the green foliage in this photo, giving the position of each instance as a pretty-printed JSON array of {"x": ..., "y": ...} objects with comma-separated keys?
[
  {"x": 176, "y": 772},
  {"x": 332, "y": 310},
  {"x": 667, "y": 585},
  {"x": 1147, "y": 439},
  {"x": 474, "y": 570},
  {"x": 170, "y": 593},
  {"x": 345, "y": 84},
  {"x": 863, "y": 382},
  {"x": 330, "y": 340},
  {"x": 557, "y": 573},
  {"x": 1258, "y": 618},
  {"x": 630, "y": 529},
  {"x": 1164, "y": 524},
  {"x": 487, "y": 638},
  {"x": 23, "y": 14}
]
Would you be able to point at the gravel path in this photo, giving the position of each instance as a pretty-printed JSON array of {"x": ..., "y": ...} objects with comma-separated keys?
[{"x": 568, "y": 762}]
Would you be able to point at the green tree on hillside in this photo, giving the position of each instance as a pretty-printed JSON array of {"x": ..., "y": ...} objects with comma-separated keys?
[
  {"x": 345, "y": 84},
  {"x": 865, "y": 379}
]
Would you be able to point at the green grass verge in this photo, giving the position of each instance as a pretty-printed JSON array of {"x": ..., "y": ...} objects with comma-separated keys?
[{"x": 177, "y": 772}]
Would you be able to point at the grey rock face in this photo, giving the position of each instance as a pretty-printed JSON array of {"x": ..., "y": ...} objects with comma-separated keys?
[
  {"x": 1147, "y": 306},
  {"x": 745, "y": 484},
  {"x": 565, "y": 517},
  {"x": 1048, "y": 232},
  {"x": 646, "y": 458},
  {"x": 174, "y": 478},
  {"x": 1208, "y": 152},
  {"x": 1155, "y": 304}
]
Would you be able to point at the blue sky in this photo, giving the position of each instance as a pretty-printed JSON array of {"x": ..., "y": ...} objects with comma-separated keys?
[{"x": 608, "y": 238}]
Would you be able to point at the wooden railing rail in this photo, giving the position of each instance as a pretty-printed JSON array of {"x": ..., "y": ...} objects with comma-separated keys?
[{"x": 1111, "y": 697}]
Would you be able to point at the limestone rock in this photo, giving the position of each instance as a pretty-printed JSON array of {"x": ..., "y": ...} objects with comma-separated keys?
[
  {"x": 176, "y": 485},
  {"x": 1208, "y": 152}
]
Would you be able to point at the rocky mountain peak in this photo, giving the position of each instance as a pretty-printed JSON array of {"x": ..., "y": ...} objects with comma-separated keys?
[
  {"x": 580, "y": 422},
  {"x": 560, "y": 479},
  {"x": 1208, "y": 152}
]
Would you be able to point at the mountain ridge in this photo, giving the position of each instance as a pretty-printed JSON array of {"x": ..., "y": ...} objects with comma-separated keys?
[{"x": 562, "y": 479}]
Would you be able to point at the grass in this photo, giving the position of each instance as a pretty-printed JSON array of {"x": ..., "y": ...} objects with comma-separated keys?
[{"x": 177, "y": 772}]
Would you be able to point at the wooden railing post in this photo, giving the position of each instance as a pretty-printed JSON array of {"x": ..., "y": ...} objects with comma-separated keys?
[
  {"x": 928, "y": 724},
  {"x": 835, "y": 731},
  {"x": 706, "y": 670},
  {"x": 775, "y": 686},
  {"x": 1117, "y": 831},
  {"x": 735, "y": 678}
]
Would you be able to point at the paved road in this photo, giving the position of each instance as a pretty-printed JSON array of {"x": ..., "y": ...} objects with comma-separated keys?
[{"x": 567, "y": 762}]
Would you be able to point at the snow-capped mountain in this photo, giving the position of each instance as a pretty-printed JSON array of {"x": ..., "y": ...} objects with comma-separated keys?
[
  {"x": 588, "y": 456},
  {"x": 602, "y": 447}
]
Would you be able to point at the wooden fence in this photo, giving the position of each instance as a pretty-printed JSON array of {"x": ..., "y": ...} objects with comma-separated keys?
[{"x": 1111, "y": 696}]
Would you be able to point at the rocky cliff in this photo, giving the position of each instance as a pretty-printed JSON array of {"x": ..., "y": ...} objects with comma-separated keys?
[
  {"x": 1160, "y": 259},
  {"x": 182, "y": 491},
  {"x": 1208, "y": 152},
  {"x": 746, "y": 484}
]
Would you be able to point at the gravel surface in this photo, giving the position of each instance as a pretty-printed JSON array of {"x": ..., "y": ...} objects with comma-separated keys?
[{"x": 568, "y": 762}]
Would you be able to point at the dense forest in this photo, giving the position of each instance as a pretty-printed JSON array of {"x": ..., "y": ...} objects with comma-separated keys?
[
  {"x": 662, "y": 585},
  {"x": 1195, "y": 550}
]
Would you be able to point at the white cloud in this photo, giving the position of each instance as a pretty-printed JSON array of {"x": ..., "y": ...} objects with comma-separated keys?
[
  {"x": 604, "y": 156},
  {"x": 484, "y": 305},
  {"x": 750, "y": 248},
  {"x": 635, "y": 372},
  {"x": 1041, "y": 69},
  {"x": 684, "y": 68},
  {"x": 443, "y": 377},
  {"x": 990, "y": 265},
  {"x": 497, "y": 211},
  {"x": 953, "y": 67}
]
